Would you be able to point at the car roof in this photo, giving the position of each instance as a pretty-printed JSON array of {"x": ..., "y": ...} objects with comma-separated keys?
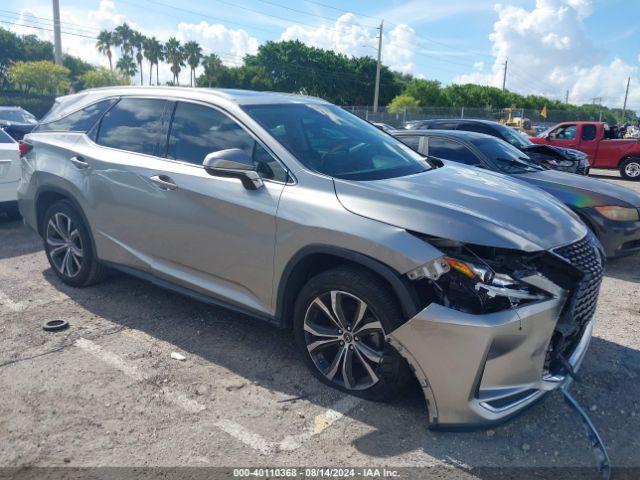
[
  {"x": 240, "y": 97},
  {"x": 11, "y": 108}
]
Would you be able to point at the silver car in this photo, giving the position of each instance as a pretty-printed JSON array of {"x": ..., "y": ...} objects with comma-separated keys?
[{"x": 385, "y": 264}]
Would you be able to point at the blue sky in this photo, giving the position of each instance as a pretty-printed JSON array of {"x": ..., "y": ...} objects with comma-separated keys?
[{"x": 588, "y": 47}]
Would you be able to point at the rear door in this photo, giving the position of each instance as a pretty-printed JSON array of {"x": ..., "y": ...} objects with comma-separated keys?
[{"x": 118, "y": 159}]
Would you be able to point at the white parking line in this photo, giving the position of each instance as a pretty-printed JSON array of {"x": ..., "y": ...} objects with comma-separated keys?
[
  {"x": 254, "y": 440},
  {"x": 7, "y": 305},
  {"x": 176, "y": 397}
]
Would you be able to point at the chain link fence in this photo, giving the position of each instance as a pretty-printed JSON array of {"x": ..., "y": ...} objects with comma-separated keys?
[{"x": 422, "y": 113}]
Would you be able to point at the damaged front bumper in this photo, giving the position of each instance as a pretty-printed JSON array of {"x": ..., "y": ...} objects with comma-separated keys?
[{"x": 477, "y": 370}]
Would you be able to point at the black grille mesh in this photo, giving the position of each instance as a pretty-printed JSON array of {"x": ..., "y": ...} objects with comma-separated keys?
[{"x": 586, "y": 256}]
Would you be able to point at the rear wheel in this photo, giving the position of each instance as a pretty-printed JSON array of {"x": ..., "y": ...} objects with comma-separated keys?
[
  {"x": 630, "y": 168},
  {"x": 342, "y": 319},
  {"x": 68, "y": 246}
]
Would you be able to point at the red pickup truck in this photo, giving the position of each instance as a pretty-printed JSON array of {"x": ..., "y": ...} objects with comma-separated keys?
[{"x": 594, "y": 139}]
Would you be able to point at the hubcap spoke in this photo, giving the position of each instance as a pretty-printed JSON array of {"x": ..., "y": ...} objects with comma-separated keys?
[
  {"x": 335, "y": 365},
  {"x": 320, "y": 304},
  {"x": 369, "y": 352},
  {"x": 58, "y": 249},
  {"x": 347, "y": 369},
  {"x": 320, "y": 331},
  {"x": 336, "y": 306},
  {"x": 372, "y": 375},
  {"x": 362, "y": 309},
  {"x": 312, "y": 347},
  {"x": 373, "y": 325},
  {"x": 54, "y": 225}
]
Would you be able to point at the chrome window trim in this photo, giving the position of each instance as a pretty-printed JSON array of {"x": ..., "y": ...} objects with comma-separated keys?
[{"x": 292, "y": 178}]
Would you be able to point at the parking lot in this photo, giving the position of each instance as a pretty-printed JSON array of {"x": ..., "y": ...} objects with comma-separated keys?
[{"x": 107, "y": 391}]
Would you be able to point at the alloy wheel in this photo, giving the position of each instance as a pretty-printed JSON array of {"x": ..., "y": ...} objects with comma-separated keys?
[
  {"x": 344, "y": 339},
  {"x": 632, "y": 169},
  {"x": 64, "y": 245}
]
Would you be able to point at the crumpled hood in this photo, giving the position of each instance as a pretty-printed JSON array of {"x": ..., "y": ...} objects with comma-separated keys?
[
  {"x": 579, "y": 191},
  {"x": 465, "y": 204},
  {"x": 554, "y": 151}
]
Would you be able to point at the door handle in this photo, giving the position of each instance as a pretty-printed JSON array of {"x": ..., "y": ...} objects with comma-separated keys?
[
  {"x": 79, "y": 162},
  {"x": 164, "y": 182}
]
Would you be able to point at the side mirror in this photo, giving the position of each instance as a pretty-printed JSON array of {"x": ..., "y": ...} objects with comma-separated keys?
[{"x": 233, "y": 163}]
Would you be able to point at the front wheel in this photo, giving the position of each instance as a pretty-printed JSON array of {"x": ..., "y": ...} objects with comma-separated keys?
[
  {"x": 630, "y": 168},
  {"x": 342, "y": 319}
]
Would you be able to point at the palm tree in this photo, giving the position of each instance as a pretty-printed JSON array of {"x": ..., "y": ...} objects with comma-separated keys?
[
  {"x": 126, "y": 65},
  {"x": 193, "y": 55},
  {"x": 123, "y": 35},
  {"x": 137, "y": 41},
  {"x": 154, "y": 53},
  {"x": 104, "y": 43},
  {"x": 174, "y": 54},
  {"x": 212, "y": 65}
]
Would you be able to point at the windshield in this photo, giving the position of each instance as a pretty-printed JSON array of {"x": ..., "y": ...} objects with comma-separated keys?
[
  {"x": 329, "y": 140},
  {"x": 18, "y": 116},
  {"x": 507, "y": 158},
  {"x": 515, "y": 138}
]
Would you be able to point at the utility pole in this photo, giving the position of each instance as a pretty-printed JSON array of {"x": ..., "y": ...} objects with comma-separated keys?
[
  {"x": 600, "y": 103},
  {"x": 376, "y": 94},
  {"x": 504, "y": 78},
  {"x": 566, "y": 98},
  {"x": 57, "y": 40},
  {"x": 626, "y": 95}
]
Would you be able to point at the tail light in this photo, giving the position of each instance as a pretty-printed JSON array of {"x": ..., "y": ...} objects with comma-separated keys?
[{"x": 24, "y": 148}]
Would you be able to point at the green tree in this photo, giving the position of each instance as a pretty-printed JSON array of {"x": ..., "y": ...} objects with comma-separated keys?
[
  {"x": 174, "y": 54},
  {"x": 104, "y": 43},
  {"x": 154, "y": 53},
  {"x": 127, "y": 65},
  {"x": 403, "y": 103},
  {"x": 123, "y": 37},
  {"x": 427, "y": 92},
  {"x": 42, "y": 76},
  {"x": 76, "y": 67},
  {"x": 212, "y": 66},
  {"x": 193, "y": 56},
  {"x": 103, "y": 77},
  {"x": 137, "y": 42}
]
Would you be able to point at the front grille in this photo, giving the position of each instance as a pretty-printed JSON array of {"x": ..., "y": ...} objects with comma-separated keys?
[{"x": 587, "y": 257}]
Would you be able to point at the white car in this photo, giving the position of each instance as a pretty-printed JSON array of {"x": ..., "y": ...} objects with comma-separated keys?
[{"x": 9, "y": 175}]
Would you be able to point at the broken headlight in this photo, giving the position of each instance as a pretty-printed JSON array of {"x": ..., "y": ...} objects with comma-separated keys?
[{"x": 464, "y": 280}]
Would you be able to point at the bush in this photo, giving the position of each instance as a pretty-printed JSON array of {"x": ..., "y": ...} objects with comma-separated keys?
[
  {"x": 403, "y": 102},
  {"x": 40, "y": 77},
  {"x": 103, "y": 77}
]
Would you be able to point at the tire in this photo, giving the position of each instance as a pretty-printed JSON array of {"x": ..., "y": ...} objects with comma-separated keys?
[
  {"x": 387, "y": 373},
  {"x": 69, "y": 246},
  {"x": 630, "y": 169}
]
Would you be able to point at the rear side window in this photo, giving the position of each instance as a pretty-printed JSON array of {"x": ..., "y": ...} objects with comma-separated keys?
[
  {"x": 413, "y": 142},
  {"x": 588, "y": 132},
  {"x": 197, "y": 130},
  {"x": 5, "y": 138},
  {"x": 134, "y": 124},
  {"x": 452, "y": 150},
  {"x": 80, "y": 121}
]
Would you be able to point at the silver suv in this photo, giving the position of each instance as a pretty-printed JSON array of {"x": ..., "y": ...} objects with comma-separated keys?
[{"x": 295, "y": 211}]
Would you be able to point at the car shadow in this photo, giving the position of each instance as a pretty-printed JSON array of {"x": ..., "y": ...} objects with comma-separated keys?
[
  {"x": 615, "y": 178},
  {"x": 267, "y": 356},
  {"x": 16, "y": 239},
  {"x": 625, "y": 268}
]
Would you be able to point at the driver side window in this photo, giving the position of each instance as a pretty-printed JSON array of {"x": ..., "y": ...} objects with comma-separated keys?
[
  {"x": 566, "y": 132},
  {"x": 451, "y": 150},
  {"x": 197, "y": 130}
]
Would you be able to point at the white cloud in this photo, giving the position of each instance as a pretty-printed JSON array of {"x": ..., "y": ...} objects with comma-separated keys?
[
  {"x": 549, "y": 53},
  {"x": 230, "y": 45},
  {"x": 350, "y": 37}
]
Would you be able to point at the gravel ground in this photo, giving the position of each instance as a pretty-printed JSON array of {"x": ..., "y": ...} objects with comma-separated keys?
[{"x": 106, "y": 392}]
